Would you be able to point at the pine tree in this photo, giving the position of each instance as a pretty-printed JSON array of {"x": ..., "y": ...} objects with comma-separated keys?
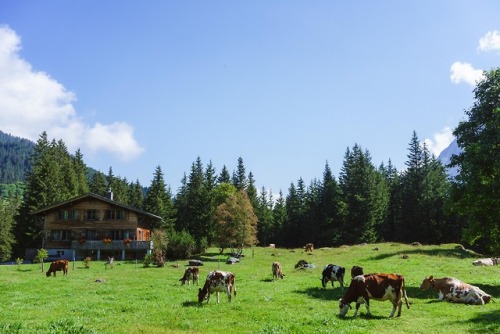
[
  {"x": 80, "y": 171},
  {"x": 136, "y": 195},
  {"x": 224, "y": 176},
  {"x": 239, "y": 177},
  {"x": 330, "y": 209},
  {"x": 264, "y": 213},
  {"x": 356, "y": 181},
  {"x": 97, "y": 184},
  {"x": 159, "y": 201},
  {"x": 279, "y": 220},
  {"x": 251, "y": 190},
  {"x": 46, "y": 184},
  {"x": 409, "y": 227}
]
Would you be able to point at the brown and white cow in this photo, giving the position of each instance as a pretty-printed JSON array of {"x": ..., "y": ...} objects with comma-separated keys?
[
  {"x": 332, "y": 273},
  {"x": 58, "y": 266},
  {"x": 277, "y": 271},
  {"x": 191, "y": 274},
  {"x": 456, "y": 291},
  {"x": 218, "y": 281},
  {"x": 309, "y": 247},
  {"x": 374, "y": 286}
]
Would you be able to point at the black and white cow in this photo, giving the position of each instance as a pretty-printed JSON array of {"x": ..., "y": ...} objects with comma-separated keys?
[{"x": 333, "y": 273}]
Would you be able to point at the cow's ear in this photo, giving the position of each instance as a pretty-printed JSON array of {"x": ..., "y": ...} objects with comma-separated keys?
[{"x": 431, "y": 277}]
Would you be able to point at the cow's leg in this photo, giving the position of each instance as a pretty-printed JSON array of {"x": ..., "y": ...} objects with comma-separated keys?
[
  {"x": 228, "y": 290},
  {"x": 367, "y": 302},
  {"x": 217, "y": 294},
  {"x": 357, "y": 309},
  {"x": 208, "y": 296}
]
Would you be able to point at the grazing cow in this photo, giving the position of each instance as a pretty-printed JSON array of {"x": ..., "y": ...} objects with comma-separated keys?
[
  {"x": 356, "y": 271},
  {"x": 272, "y": 245},
  {"x": 218, "y": 281},
  {"x": 492, "y": 261},
  {"x": 375, "y": 286},
  {"x": 58, "y": 266},
  {"x": 309, "y": 247},
  {"x": 454, "y": 290},
  {"x": 190, "y": 274},
  {"x": 277, "y": 271},
  {"x": 333, "y": 273}
]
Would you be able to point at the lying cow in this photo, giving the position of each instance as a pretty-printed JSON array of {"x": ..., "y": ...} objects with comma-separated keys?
[
  {"x": 454, "y": 290},
  {"x": 218, "y": 281},
  {"x": 356, "y": 271},
  {"x": 333, "y": 273},
  {"x": 191, "y": 274},
  {"x": 309, "y": 247},
  {"x": 492, "y": 261},
  {"x": 277, "y": 270},
  {"x": 58, "y": 266},
  {"x": 375, "y": 286}
]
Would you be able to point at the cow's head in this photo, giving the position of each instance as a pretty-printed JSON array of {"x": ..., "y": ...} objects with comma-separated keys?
[
  {"x": 426, "y": 283},
  {"x": 202, "y": 294},
  {"x": 324, "y": 280},
  {"x": 343, "y": 307}
]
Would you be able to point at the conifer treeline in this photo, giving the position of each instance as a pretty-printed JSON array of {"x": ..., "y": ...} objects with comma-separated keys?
[{"x": 365, "y": 203}]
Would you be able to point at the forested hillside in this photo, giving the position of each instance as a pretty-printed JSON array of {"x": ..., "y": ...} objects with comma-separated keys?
[{"x": 15, "y": 156}]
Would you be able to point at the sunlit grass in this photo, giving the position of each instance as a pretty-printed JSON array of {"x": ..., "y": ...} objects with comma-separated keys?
[{"x": 133, "y": 299}]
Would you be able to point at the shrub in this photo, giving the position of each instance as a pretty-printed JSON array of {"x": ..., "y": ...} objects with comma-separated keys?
[
  {"x": 181, "y": 245},
  {"x": 86, "y": 262},
  {"x": 201, "y": 246},
  {"x": 159, "y": 258},
  {"x": 40, "y": 255},
  {"x": 19, "y": 261},
  {"x": 148, "y": 259}
]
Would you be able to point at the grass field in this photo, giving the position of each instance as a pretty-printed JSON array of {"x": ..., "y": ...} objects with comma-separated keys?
[{"x": 133, "y": 299}]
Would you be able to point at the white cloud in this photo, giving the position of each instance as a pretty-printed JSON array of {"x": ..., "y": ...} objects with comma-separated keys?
[
  {"x": 32, "y": 102},
  {"x": 490, "y": 42},
  {"x": 440, "y": 141},
  {"x": 464, "y": 72}
]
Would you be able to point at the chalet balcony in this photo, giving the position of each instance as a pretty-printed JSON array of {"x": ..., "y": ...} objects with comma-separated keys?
[{"x": 111, "y": 245}]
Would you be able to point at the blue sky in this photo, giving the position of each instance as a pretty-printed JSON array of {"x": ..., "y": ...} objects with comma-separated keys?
[{"x": 286, "y": 85}]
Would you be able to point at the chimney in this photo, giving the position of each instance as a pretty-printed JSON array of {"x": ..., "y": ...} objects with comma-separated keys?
[{"x": 109, "y": 194}]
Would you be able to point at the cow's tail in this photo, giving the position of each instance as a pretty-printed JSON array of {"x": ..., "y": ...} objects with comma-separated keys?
[{"x": 403, "y": 288}]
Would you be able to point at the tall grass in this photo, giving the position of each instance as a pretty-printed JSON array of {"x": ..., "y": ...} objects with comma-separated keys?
[{"x": 131, "y": 299}]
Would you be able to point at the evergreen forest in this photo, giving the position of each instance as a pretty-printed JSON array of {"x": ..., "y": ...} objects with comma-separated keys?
[{"x": 363, "y": 204}]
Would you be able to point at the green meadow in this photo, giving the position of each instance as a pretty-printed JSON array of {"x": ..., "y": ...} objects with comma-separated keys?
[{"x": 132, "y": 299}]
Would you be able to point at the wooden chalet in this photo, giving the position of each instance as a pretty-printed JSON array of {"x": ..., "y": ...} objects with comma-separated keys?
[{"x": 96, "y": 226}]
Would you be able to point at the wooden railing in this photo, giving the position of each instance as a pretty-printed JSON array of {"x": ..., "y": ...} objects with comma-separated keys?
[{"x": 115, "y": 244}]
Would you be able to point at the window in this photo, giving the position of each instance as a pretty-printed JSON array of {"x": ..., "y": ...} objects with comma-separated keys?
[
  {"x": 60, "y": 235},
  {"x": 68, "y": 215},
  {"x": 115, "y": 214},
  {"x": 91, "y": 214}
]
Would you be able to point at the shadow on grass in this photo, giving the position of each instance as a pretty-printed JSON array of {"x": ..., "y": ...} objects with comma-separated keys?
[
  {"x": 363, "y": 315},
  {"x": 191, "y": 303},
  {"x": 487, "y": 322},
  {"x": 267, "y": 280},
  {"x": 322, "y": 293},
  {"x": 442, "y": 252}
]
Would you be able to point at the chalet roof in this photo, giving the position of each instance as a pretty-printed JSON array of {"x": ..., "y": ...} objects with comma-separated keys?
[{"x": 96, "y": 197}]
